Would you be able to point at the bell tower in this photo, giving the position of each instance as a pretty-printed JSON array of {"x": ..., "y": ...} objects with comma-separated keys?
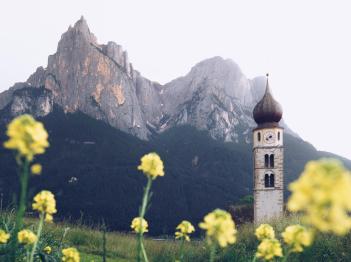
[{"x": 268, "y": 159}]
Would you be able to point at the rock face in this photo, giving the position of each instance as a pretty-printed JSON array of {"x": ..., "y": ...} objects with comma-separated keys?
[{"x": 99, "y": 81}]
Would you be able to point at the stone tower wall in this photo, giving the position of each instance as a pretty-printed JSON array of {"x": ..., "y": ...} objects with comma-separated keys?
[{"x": 268, "y": 201}]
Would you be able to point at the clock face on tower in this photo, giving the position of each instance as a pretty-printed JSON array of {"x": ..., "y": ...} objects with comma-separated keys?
[{"x": 269, "y": 137}]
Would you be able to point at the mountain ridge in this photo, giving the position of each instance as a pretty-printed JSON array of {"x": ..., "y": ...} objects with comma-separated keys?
[{"x": 98, "y": 80}]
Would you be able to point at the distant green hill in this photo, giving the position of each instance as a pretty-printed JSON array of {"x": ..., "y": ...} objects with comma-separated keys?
[{"x": 91, "y": 168}]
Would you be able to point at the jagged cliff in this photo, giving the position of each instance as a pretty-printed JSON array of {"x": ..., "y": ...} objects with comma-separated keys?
[{"x": 99, "y": 81}]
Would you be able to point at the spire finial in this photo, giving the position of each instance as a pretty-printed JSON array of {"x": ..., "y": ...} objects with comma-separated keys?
[{"x": 267, "y": 84}]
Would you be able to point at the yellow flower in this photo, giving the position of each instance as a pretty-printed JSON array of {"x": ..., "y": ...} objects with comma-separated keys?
[
  {"x": 36, "y": 169},
  {"x": 297, "y": 236},
  {"x": 185, "y": 228},
  {"x": 47, "y": 249},
  {"x": 45, "y": 202},
  {"x": 151, "y": 165},
  {"x": 139, "y": 225},
  {"x": 220, "y": 228},
  {"x": 27, "y": 136},
  {"x": 264, "y": 231},
  {"x": 70, "y": 255},
  {"x": 322, "y": 194},
  {"x": 4, "y": 237},
  {"x": 49, "y": 218},
  {"x": 268, "y": 249},
  {"x": 26, "y": 237}
]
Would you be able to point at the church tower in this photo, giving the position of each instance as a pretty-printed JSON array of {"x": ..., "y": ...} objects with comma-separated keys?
[{"x": 268, "y": 159}]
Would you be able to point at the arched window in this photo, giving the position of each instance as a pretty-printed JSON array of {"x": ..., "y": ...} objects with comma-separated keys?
[
  {"x": 259, "y": 136},
  {"x": 271, "y": 180},
  {"x": 266, "y": 180},
  {"x": 266, "y": 160},
  {"x": 278, "y": 136},
  {"x": 271, "y": 160}
]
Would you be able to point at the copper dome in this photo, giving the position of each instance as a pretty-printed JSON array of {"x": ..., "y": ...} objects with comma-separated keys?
[{"x": 267, "y": 110}]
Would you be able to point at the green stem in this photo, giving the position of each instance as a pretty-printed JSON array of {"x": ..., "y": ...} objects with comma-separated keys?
[
  {"x": 285, "y": 258},
  {"x": 254, "y": 259},
  {"x": 24, "y": 177},
  {"x": 40, "y": 228},
  {"x": 212, "y": 253},
  {"x": 181, "y": 258},
  {"x": 144, "y": 252},
  {"x": 141, "y": 249}
]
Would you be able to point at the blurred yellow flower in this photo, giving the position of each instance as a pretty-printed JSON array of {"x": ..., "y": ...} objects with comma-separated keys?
[
  {"x": 4, "y": 237},
  {"x": 47, "y": 249},
  {"x": 139, "y": 225},
  {"x": 49, "y": 218},
  {"x": 220, "y": 228},
  {"x": 322, "y": 194},
  {"x": 70, "y": 255},
  {"x": 36, "y": 169},
  {"x": 27, "y": 136},
  {"x": 268, "y": 249},
  {"x": 264, "y": 231},
  {"x": 45, "y": 202},
  {"x": 185, "y": 228},
  {"x": 151, "y": 165},
  {"x": 26, "y": 237},
  {"x": 297, "y": 236}
]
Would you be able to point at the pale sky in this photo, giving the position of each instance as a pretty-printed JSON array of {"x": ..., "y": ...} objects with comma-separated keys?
[{"x": 304, "y": 45}]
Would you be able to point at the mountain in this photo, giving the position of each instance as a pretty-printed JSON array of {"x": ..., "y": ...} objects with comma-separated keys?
[
  {"x": 98, "y": 80},
  {"x": 102, "y": 115}
]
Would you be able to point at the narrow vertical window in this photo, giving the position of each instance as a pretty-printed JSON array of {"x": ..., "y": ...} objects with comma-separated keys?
[
  {"x": 259, "y": 136},
  {"x": 278, "y": 136},
  {"x": 271, "y": 180},
  {"x": 271, "y": 160},
  {"x": 266, "y": 160},
  {"x": 266, "y": 180}
]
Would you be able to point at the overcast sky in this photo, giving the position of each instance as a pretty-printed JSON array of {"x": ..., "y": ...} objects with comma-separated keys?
[{"x": 304, "y": 45}]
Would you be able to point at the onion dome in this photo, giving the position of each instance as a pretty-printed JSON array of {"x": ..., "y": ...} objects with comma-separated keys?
[{"x": 267, "y": 111}]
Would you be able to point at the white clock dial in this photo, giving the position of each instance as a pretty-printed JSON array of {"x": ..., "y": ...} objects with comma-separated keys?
[{"x": 269, "y": 137}]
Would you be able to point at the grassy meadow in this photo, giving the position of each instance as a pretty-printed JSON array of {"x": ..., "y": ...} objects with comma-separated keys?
[{"x": 88, "y": 240}]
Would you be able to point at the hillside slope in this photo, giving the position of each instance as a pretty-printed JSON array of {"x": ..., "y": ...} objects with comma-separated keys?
[{"x": 91, "y": 168}]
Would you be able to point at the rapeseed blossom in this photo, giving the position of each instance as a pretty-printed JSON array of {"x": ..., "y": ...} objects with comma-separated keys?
[
  {"x": 47, "y": 249},
  {"x": 70, "y": 254},
  {"x": 44, "y": 202},
  {"x": 184, "y": 229},
  {"x": 27, "y": 136},
  {"x": 220, "y": 228},
  {"x": 139, "y": 225},
  {"x": 4, "y": 237},
  {"x": 26, "y": 237},
  {"x": 36, "y": 169},
  {"x": 297, "y": 237},
  {"x": 151, "y": 165},
  {"x": 264, "y": 231},
  {"x": 269, "y": 249},
  {"x": 322, "y": 194}
]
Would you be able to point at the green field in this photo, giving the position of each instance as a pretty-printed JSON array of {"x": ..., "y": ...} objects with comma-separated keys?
[{"x": 122, "y": 246}]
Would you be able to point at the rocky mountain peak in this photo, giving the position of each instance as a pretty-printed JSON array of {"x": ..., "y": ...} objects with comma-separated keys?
[
  {"x": 99, "y": 81},
  {"x": 215, "y": 66}
]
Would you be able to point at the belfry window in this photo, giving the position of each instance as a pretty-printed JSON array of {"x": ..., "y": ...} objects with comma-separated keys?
[
  {"x": 259, "y": 136},
  {"x": 271, "y": 180},
  {"x": 271, "y": 160},
  {"x": 266, "y": 160},
  {"x": 266, "y": 180}
]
